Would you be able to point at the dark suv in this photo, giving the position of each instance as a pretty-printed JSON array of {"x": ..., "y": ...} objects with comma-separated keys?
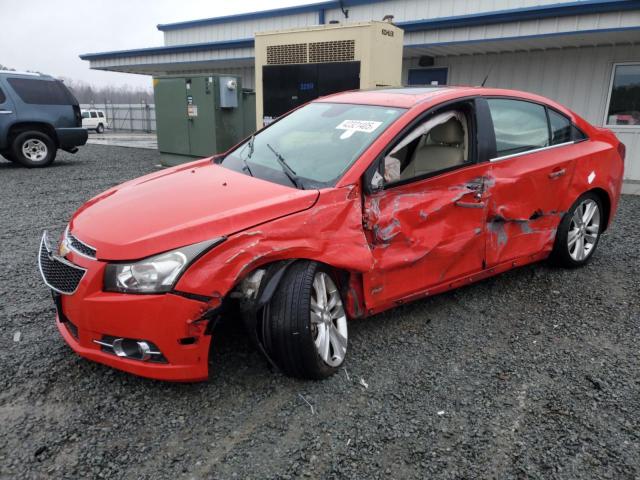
[{"x": 38, "y": 115}]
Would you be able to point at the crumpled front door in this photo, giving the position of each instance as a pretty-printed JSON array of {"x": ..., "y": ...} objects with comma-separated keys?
[{"x": 425, "y": 233}]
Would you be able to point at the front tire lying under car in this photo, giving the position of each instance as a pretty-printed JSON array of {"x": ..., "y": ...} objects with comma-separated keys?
[{"x": 305, "y": 325}]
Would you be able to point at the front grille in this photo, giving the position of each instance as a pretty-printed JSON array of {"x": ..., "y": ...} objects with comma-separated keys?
[
  {"x": 59, "y": 275},
  {"x": 80, "y": 247}
]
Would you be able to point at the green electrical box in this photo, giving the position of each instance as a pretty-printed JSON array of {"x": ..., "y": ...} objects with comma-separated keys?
[{"x": 200, "y": 115}]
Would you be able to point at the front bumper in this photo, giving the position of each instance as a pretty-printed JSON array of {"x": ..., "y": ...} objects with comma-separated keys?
[{"x": 172, "y": 323}]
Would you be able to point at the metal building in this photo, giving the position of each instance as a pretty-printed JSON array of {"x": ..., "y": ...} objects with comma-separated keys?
[{"x": 584, "y": 54}]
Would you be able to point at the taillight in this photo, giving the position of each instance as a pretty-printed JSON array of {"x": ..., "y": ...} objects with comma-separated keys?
[
  {"x": 78, "y": 115},
  {"x": 622, "y": 150}
]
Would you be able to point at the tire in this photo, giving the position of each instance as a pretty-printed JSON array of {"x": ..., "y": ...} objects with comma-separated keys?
[
  {"x": 100, "y": 128},
  {"x": 33, "y": 149},
  {"x": 576, "y": 240},
  {"x": 295, "y": 320}
]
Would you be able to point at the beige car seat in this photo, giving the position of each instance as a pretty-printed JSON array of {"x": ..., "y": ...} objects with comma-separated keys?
[{"x": 442, "y": 148}]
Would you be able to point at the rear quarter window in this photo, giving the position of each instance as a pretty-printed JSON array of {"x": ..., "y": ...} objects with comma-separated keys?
[
  {"x": 2, "y": 96},
  {"x": 560, "y": 128},
  {"x": 101, "y": 115},
  {"x": 41, "y": 92}
]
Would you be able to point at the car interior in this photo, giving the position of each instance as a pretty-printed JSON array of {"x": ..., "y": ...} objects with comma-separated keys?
[{"x": 439, "y": 143}]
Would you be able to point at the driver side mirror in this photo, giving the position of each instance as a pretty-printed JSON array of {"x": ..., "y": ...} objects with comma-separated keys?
[{"x": 373, "y": 180}]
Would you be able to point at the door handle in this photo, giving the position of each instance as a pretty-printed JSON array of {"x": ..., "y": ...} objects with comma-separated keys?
[
  {"x": 469, "y": 204},
  {"x": 557, "y": 173}
]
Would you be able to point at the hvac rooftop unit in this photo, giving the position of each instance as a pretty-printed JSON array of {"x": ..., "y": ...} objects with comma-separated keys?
[{"x": 298, "y": 65}]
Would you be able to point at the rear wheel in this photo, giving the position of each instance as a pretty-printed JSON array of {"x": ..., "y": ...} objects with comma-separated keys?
[
  {"x": 33, "y": 149},
  {"x": 305, "y": 324},
  {"x": 100, "y": 128},
  {"x": 579, "y": 232}
]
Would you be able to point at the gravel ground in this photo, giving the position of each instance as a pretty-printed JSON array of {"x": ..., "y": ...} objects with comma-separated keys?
[{"x": 533, "y": 374}]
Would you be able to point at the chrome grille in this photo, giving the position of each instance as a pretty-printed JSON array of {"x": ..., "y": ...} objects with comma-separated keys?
[
  {"x": 58, "y": 274},
  {"x": 80, "y": 247}
]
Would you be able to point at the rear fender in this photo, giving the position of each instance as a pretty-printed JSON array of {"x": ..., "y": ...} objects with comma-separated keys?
[{"x": 601, "y": 170}]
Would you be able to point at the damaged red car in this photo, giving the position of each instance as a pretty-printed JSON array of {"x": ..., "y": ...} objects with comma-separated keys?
[{"x": 343, "y": 208}]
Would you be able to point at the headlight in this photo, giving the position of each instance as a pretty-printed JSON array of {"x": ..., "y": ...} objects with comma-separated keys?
[{"x": 157, "y": 274}]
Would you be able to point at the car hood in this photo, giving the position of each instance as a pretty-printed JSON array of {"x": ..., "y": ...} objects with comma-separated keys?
[{"x": 181, "y": 206}]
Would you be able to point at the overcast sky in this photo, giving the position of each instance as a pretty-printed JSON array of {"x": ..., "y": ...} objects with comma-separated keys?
[{"x": 48, "y": 35}]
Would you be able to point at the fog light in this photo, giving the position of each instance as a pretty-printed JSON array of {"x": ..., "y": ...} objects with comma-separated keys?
[{"x": 132, "y": 349}]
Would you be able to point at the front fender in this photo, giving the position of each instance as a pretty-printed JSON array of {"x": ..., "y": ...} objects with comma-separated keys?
[{"x": 330, "y": 232}]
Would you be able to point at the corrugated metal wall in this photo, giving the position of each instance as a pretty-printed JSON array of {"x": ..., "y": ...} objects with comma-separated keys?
[
  {"x": 576, "y": 77},
  {"x": 420, "y": 9},
  {"x": 526, "y": 28},
  {"x": 237, "y": 30},
  {"x": 401, "y": 9}
]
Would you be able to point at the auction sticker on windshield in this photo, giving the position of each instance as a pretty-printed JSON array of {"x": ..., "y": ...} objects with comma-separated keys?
[
  {"x": 352, "y": 126},
  {"x": 366, "y": 126}
]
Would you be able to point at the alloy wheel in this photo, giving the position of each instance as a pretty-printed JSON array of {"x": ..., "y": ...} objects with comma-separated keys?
[
  {"x": 584, "y": 230},
  {"x": 328, "y": 320}
]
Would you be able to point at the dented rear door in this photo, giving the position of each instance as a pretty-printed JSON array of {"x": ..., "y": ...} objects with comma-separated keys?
[{"x": 526, "y": 188}]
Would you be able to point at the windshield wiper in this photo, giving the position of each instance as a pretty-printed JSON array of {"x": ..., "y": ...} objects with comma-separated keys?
[
  {"x": 250, "y": 144},
  {"x": 245, "y": 164},
  {"x": 288, "y": 171}
]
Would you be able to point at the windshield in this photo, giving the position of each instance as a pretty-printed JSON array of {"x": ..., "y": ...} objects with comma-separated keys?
[{"x": 313, "y": 146}]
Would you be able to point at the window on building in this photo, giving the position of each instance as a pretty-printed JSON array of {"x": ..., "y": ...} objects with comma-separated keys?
[
  {"x": 41, "y": 92},
  {"x": 519, "y": 126},
  {"x": 94, "y": 115},
  {"x": 624, "y": 101},
  {"x": 2, "y": 97}
]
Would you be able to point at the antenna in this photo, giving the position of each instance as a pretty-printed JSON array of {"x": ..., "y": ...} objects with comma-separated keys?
[
  {"x": 345, "y": 11},
  {"x": 485, "y": 78}
]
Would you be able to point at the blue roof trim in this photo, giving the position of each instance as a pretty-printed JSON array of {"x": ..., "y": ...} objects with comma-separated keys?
[
  {"x": 521, "y": 14},
  {"x": 276, "y": 12},
  {"x": 192, "y": 47},
  {"x": 513, "y": 15},
  {"x": 517, "y": 14},
  {"x": 523, "y": 37}
]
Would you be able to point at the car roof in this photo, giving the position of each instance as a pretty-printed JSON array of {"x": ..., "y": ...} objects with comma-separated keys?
[
  {"x": 408, "y": 97},
  {"x": 14, "y": 73}
]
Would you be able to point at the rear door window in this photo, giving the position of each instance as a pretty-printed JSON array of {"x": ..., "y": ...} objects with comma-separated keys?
[
  {"x": 41, "y": 92},
  {"x": 519, "y": 126},
  {"x": 94, "y": 115}
]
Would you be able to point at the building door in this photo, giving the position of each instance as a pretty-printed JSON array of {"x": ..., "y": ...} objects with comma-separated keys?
[{"x": 428, "y": 76}]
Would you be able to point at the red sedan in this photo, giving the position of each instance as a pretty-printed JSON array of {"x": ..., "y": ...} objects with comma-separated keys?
[{"x": 343, "y": 208}]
